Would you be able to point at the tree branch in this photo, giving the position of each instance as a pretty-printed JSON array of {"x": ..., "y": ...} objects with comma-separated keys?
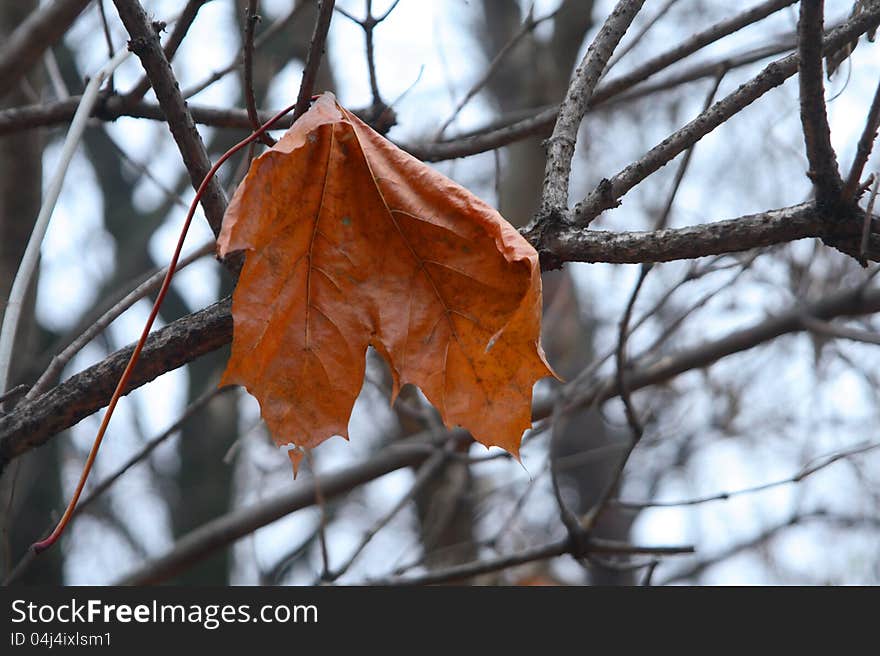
[
  {"x": 744, "y": 233},
  {"x": 32, "y": 424},
  {"x": 225, "y": 530},
  {"x": 181, "y": 27},
  {"x": 863, "y": 150},
  {"x": 313, "y": 60},
  {"x": 560, "y": 145},
  {"x": 823, "y": 171},
  {"x": 593, "y": 546},
  {"x": 145, "y": 44}
]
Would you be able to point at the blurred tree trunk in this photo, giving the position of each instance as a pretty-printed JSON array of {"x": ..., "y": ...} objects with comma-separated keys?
[
  {"x": 204, "y": 486},
  {"x": 36, "y": 479}
]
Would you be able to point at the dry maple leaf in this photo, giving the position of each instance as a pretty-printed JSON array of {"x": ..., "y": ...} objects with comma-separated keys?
[{"x": 352, "y": 242}]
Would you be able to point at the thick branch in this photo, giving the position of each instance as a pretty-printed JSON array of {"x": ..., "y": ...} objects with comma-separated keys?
[
  {"x": 32, "y": 424},
  {"x": 740, "y": 234},
  {"x": 145, "y": 44},
  {"x": 30, "y": 40},
  {"x": 823, "y": 169}
]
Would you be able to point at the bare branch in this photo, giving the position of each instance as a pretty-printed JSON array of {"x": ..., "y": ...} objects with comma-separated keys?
[
  {"x": 313, "y": 60},
  {"x": 252, "y": 17},
  {"x": 818, "y": 465},
  {"x": 823, "y": 170},
  {"x": 182, "y": 341},
  {"x": 96, "y": 327},
  {"x": 843, "y": 332},
  {"x": 528, "y": 26},
  {"x": 543, "y": 552},
  {"x": 181, "y": 27},
  {"x": 225, "y": 530},
  {"x": 560, "y": 145},
  {"x": 145, "y": 44},
  {"x": 743, "y": 233},
  {"x": 863, "y": 150}
]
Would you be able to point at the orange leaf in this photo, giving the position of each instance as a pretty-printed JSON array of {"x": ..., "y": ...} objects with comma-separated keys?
[{"x": 352, "y": 242}]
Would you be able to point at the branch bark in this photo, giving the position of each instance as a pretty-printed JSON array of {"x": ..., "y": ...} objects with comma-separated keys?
[
  {"x": 823, "y": 171},
  {"x": 744, "y": 233},
  {"x": 145, "y": 44},
  {"x": 31, "y": 424},
  {"x": 560, "y": 145}
]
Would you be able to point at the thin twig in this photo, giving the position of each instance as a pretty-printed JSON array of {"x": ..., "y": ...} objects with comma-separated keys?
[
  {"x": 688, "y": 47},
  {"x": 808, "y": 470},
  {"x": 863, "y": 150},
  {"x": 13, "y": 393},
  {"x": 24, "y": 47},
  {"x": 864, "y": 247},
  {"x": 842, "y": 332},
  {"x": 259, "y": 41},
  {"x": 181, "y": 27},
  {"x": 55, "y": 77},
  {"x": 252, "y": 17},
  {"x": 543, "y": 552},
  {"x": 322, "y": 509},
  {"x": 527, "y": 27},
  {"x": 663, "y": 221},
  {"x": 638, "y": 36},
  {"x": 632, "y": 417},
  {"x": 425, "y": 474},
  {"x": 108, "y": 40},
  {"x": 758, "y": 540},
  {"x": 202, "y": 401},
  {"x": 99, "y": 489},
  {"x": 368, "y": 25}
]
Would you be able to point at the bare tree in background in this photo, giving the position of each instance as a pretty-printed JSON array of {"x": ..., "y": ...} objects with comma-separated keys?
[{"x": 687, "y": 337}]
